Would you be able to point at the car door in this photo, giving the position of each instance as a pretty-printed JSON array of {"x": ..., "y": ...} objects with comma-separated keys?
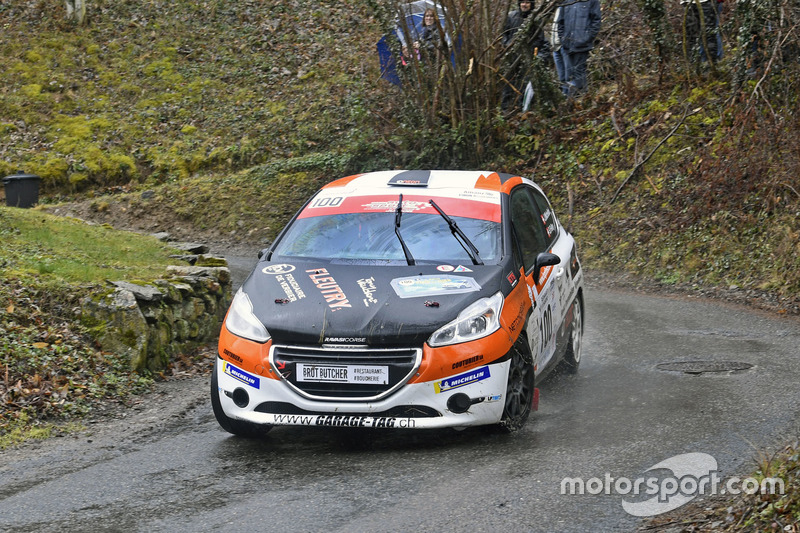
[
  {"x": 561, "y": 243},
  {"x": 531, "y": 238}
]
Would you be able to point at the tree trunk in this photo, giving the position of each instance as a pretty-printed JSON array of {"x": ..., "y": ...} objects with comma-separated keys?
[{"x": 76, "y": 10}]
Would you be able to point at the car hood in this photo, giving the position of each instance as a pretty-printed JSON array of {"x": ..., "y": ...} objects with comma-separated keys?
[{"x": 320, "y": 302}]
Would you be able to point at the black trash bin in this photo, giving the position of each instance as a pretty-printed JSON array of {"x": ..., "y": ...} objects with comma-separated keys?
[{"x": 22, "y": 190}]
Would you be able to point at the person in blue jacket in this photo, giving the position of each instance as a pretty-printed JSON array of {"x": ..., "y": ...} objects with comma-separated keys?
[{"x": 578, "y": 27}]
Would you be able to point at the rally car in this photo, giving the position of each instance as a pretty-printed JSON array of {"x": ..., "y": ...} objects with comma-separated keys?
[{"x": 403, "y": 299}]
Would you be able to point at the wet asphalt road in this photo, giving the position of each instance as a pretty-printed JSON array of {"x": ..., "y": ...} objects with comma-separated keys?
[{"x": 620, "y": 415}]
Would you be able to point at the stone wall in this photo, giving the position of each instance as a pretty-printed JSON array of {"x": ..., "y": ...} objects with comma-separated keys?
[{"x": 153, "y": 321}]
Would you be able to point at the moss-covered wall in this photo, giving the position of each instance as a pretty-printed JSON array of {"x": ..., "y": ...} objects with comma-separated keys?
[{"x": 155, "y": 320}]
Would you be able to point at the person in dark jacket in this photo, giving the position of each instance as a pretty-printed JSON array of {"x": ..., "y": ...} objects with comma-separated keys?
[
  {"x": 695, "y": 20},
  {"x": 578, "y": 27},
  {"x": 533, "y": 46}
]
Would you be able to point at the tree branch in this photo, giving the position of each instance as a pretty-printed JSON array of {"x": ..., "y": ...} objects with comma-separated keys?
[{"x": 641, "y": 163}]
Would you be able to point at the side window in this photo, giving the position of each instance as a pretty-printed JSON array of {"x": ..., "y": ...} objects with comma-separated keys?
[
  {"x": 527, "y": 226},
  {"x": 548, "y": 217}
]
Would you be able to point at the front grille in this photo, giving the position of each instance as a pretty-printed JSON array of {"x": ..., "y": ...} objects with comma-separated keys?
[{"x": 332, "y": 372}]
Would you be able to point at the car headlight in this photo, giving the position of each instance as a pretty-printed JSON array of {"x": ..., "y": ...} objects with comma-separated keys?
[
  {"x": 242, "y": 321},
  {"x": 478, "y": 320}
]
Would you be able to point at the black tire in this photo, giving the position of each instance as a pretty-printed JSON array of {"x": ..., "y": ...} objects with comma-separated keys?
[
  {"x": 572, "y": 357},
  {"x": 240, "y": 428},
  {"x": 519, "y": 388}
]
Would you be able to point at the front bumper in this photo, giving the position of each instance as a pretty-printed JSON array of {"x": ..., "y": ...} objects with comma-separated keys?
[{"x": 421, "y": 405}]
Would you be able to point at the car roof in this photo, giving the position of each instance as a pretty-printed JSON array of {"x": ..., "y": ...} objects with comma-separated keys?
[{"x": 415, "y": 181}]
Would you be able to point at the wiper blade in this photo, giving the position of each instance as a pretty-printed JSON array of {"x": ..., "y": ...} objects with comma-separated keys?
[
  {"x": 397, "y": 214},
  {"x": 466, "y": 244}
]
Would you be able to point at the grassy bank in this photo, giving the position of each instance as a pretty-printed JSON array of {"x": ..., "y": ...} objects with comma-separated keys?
[{"x": 50, "y": 369}]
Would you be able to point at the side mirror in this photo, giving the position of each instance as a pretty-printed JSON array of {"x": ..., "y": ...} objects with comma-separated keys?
[
  {"x": 542, "y": 260},
  {"x": 261, "y": 253}
]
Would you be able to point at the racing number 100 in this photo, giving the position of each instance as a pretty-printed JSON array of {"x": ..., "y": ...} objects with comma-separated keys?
[
  {"x": 546, "y": 327},
  {"x": 334, "y": 201}
]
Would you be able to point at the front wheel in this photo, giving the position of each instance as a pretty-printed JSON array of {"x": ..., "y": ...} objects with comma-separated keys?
[
  {"x": 241, "y": 428},
  {"x": 519, "y": 388}
]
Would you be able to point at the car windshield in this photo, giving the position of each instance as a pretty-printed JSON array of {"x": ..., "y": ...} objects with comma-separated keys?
[{"x": 371, "y": 237}]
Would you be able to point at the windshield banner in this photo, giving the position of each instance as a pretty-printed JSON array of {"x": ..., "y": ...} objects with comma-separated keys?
[{"x": 481, "y": 205}]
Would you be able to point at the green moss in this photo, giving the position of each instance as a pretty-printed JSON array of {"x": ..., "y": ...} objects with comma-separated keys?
[{"x": 32, "y": 91}]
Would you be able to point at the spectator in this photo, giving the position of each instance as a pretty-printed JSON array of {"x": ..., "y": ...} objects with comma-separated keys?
[
  {"x": 516, "y": 77},
  {"x": 578, "y": 27},
  {"x": 555, "y": 45},
  {"x": 694, "y": 21},
  {"x": 719, "y": 29},
  {"x": 429, "y": 35}
]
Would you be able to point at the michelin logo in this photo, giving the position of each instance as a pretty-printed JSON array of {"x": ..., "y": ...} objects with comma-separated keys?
[
  {"x": 462, "y": 379},
  {"x": 241, "y": 375}
]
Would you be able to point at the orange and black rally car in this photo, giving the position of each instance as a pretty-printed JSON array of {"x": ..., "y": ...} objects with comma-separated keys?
[{"x": 403, "y": 299}]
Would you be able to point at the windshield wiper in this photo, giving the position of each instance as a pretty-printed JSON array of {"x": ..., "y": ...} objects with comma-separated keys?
[
  {"x": 467, "y": 244},
  {"x": 397, "y": 214}
]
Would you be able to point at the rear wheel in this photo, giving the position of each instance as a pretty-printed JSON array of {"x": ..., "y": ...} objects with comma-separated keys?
[
  {"x": 519, "y": 389},
  {"x": 572, "y": 357},
  {"x": 241, "y": 428}
]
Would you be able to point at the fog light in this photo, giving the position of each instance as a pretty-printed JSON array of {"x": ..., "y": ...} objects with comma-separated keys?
[
  {"x": 459, "y": 403},
  {"x": 241, "y": 398}
]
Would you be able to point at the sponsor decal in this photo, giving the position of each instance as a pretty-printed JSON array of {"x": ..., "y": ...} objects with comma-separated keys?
[
  {"x": 467, "y": 362},
  {"x": 461, "y": 380},
  {"x": 461, "y": 268},
  {"x": 546, "y": 215},
  {"x": 351, "y": 421},
  {"x": 343, "y": 374},
  {"x": 334, "y": 295},
  {"x": 512, "y": 279},
  {"x": 349, "y": 340},
  {"x": 241, "y": 375},
  {"x": 491, "y": 196},
  {"x": 368, "y": 287},
  {"x": 290, "y": 287},
  {"x": 445, "y": 268},
  {"x": 551, "y": 229},
  {"x": 574, "y": 264},
  {"x": 232, "y": 355},
  {"x": 409, "y": 206},
  {"x": 487, "y": 399},
  {"x": 278, "y": 269},
  {"x": 518, "y": 319},
  {"x": 433, "y": 285}
]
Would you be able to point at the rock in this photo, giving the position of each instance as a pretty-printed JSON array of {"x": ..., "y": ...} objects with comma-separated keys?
[
  {"x": 148, "y": 194},
  {"x": 161, "y": 235},
  {"x": 147, "y": 293},
  {"x": 191, "y": 247},
  {"x": 188, "y": 258},
  {"x": 221, "y": 273},
  {"x": 211, "y": 261},
  {"x": 123, "y": 328}
]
